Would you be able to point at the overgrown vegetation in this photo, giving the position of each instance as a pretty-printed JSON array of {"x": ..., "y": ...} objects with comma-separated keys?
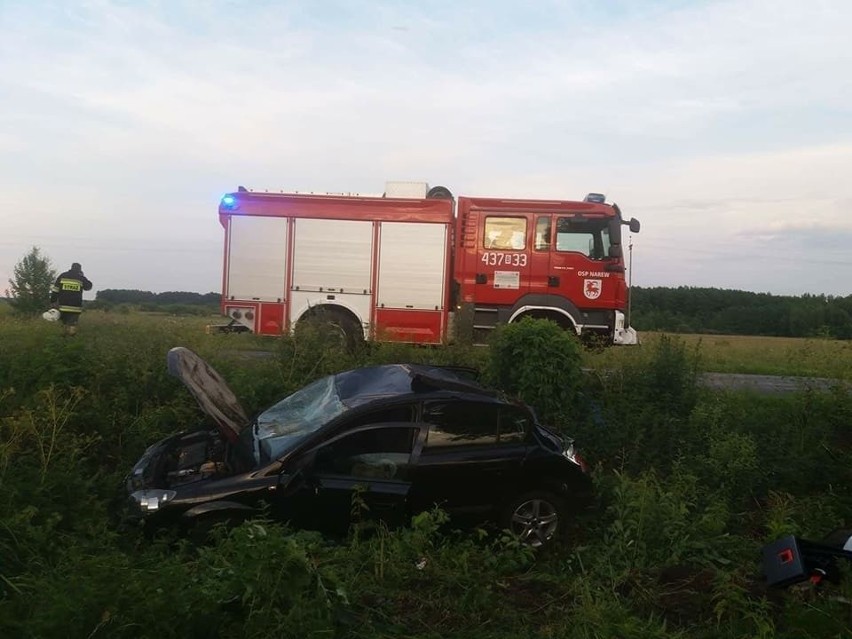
[{"x": 690, "y": 485}]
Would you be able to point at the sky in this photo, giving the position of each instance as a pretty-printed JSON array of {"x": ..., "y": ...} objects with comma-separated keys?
[{"x": 725, "y": 127}]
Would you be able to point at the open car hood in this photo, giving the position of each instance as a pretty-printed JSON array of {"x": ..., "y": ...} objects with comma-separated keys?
[{"x": 209, "y": 389}]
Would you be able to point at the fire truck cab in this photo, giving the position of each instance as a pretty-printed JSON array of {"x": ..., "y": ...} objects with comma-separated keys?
[
  {"x": 558, "y": 260},
  {"x": 413, "y": 264}
]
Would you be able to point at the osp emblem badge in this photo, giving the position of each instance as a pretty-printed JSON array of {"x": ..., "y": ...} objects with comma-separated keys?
[{"x": 592, "y": 289}]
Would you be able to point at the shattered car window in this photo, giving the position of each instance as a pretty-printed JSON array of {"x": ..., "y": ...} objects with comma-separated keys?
[{"x": 282, "y": 426}]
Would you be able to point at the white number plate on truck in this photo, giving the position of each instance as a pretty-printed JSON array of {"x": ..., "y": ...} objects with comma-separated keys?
[{"x": 504, "y": 259}]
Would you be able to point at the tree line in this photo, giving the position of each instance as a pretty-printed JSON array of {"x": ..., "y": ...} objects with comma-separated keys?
[
  {"x": 688, "y": 309},
  {"x": 110, "y": 296},
  {"x": 172, "y": 302}
]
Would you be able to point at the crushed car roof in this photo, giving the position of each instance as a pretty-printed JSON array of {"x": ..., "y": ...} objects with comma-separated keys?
[{"x": 362, "y": 385}]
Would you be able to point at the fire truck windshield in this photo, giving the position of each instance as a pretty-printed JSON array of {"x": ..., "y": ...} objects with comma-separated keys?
[{"x": 578, "y": 235}]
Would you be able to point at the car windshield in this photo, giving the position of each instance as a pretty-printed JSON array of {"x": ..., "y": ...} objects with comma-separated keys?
[{"x": 282, "y": 426}]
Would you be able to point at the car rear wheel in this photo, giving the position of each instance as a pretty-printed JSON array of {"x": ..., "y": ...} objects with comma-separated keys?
[{"x": 536, "y": 518}]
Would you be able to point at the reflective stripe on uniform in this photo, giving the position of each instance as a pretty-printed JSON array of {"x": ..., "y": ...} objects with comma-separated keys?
[
  {"x": 70, "y": 309},
  {"x": 71, "y": 285}
]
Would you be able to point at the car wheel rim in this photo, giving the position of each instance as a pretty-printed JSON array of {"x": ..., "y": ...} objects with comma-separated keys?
[{"x": 535, "y": 521}]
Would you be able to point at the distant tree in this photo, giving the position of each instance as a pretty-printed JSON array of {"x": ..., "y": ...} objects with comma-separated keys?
[
  {"x": 125, "y": 296},
  {"x": 32, "y": 278},
  {"x": 133, "y": 296},
  {"x": 179, "y": 297}
]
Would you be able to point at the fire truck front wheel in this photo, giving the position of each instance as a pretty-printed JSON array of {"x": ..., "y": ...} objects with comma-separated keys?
[{"x": 332, "y": 325}]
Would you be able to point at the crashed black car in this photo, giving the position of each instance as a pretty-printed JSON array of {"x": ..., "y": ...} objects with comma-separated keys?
[{"x": 405, "y": 437}]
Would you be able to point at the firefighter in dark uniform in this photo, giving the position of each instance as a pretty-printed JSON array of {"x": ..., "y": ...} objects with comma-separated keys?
[{"x": 67, "y": 295}]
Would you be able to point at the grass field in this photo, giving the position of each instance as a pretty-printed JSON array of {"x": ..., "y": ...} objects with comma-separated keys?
[
  {"x": 799, "y": 357},
  {"x": 690, "y": 484}
]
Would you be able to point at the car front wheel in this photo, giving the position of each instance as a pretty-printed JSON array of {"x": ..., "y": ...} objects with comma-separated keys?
[{"x": 536, "y": 518}]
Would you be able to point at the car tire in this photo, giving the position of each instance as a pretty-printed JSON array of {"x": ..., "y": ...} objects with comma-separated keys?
[{"x": 537, "y": 518}]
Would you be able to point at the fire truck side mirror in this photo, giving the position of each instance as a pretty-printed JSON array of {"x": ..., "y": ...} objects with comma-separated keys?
[{"x": 634, "y": 225}]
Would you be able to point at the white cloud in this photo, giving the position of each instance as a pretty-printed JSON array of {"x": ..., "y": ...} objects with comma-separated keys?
[{"x": 716, "y": 123}]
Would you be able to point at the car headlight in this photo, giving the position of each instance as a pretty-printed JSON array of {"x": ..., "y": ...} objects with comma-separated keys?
[
  {"x": 570, "y": 453},
  {"x": 151, "y": 500}
]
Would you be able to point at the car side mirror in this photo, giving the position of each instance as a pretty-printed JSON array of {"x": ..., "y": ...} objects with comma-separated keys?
[{"x": 634, "y": 225}]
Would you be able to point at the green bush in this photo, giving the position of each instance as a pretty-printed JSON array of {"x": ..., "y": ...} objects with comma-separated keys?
[{"x": 539, "y": 362}]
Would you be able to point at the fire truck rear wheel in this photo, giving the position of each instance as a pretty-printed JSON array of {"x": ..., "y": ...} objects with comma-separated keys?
[{"x": 336, "y": 326}]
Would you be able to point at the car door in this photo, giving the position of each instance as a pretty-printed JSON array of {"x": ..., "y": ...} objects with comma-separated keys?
[
  {"x": 541, "y": 280},
  {"x": 467, "y": 465},
  {"x": 577, "y": 260},
  {"x": 360, "y": 474}
]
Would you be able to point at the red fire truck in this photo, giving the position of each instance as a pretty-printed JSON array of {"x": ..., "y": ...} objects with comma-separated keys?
[{"x": 415, "y": 264}]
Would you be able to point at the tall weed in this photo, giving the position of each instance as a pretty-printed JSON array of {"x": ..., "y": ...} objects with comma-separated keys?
[
  {"x": 640, "y": 410},
  {"x": 651, "y": 522}
]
